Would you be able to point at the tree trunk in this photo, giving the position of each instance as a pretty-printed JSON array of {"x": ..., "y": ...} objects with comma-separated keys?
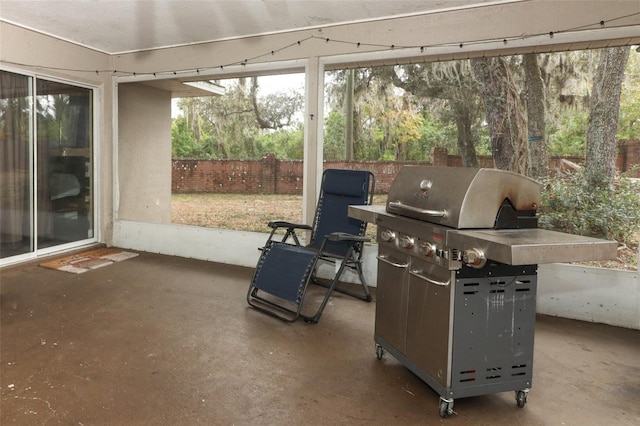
[
  {"x": 465, "y": 138},
  {"x": 348, "y": 113},
  {"x": 253, "y": 95},
  {"x": 601, "y": 147},
  {"x": 507, "y": 124},
  {"x": 535, "y": 96},
  {"x": 195, "y": 122}
]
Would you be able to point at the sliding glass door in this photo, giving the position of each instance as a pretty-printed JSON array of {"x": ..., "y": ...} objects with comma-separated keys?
[
  {"x": 64, "y": 136},
  {"x": 46, "y": 164}
]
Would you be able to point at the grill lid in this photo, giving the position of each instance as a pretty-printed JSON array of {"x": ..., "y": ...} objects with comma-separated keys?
[{"x": 462, "y": 197}]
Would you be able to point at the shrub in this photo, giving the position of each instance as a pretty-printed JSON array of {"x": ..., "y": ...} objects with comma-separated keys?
[{"x": 570, "y": 205}]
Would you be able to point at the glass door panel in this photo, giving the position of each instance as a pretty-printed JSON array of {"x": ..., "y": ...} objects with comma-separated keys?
[
  {"x": 16, "y": 171},
  {"x": 64, "y": 163}
]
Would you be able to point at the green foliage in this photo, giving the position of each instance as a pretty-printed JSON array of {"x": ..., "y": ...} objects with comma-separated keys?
[
  {"x": 183, "y": 143},
  {"x": 570, "y": 205},
  {"x": 629, "y": 120},
  {"x": 288, "y": 144},
  {"x": 233, "y": 127},
  {"x": 569, "y": 137},
  {"x": 334, "y": 148}
]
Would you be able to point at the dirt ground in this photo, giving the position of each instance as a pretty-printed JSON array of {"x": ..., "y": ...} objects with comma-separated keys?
[{"x": 252, "y": 213}]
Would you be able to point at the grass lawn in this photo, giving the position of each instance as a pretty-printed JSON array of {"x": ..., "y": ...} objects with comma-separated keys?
[{"x": 242, "y": 212}]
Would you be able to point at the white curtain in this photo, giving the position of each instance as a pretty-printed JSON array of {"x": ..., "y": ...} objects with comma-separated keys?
[{"x": 15, "y": 171}]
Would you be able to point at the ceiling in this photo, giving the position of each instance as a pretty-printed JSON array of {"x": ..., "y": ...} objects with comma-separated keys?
[{"x": 119, "y": 26}]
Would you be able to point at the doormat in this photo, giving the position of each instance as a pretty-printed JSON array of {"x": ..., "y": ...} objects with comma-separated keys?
[{"x": 86, "y": 261}]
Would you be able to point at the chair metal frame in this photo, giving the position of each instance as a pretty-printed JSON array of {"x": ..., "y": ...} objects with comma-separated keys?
[{"x": 328, "y": 243}]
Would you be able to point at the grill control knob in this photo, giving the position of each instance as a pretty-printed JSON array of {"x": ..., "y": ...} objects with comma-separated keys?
[
  {"x": 427, "y": 249},
  {"x": 406, "y": 242},
  {"x": 474, "y": 258},
  {"x": 387, "y": 235}
]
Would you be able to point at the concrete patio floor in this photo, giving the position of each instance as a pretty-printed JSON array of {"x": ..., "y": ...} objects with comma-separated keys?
[{"x": 159, "y": 340}]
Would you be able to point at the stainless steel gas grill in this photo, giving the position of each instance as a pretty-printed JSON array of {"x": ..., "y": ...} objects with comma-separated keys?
[{"x": 458, "y": 250}]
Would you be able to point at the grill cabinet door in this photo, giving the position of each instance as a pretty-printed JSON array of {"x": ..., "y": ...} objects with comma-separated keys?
[
  {"x": 391, "y": 297},
  {"x": 428, "y": 319}
]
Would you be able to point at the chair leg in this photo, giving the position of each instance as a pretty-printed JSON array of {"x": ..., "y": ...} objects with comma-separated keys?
[
  {"x": 260, "y": 303},
  {"x": 316, "y": 317},
  {"x": 367, "y": 293},
  {"x": 354, "y": 264},
  {"x": 366, "y": 296},
  {"x": 334, "y": 286}
]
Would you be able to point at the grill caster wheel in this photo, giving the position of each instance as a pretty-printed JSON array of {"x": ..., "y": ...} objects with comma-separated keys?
[
  {"x": 521, "y": 397},
  {"x": 379, "y": 351},
  {"x": 446, "y": 407}
]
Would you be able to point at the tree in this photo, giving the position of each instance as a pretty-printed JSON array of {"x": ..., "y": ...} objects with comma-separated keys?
[
  {"x": 373, "y": 99},
  {"x": 276, "y": 110},
  {"x": 536, "y": 117},
  {"x": 600, "y": 164},
  {"x": 348, "y": 113},
  {"x": 452, "y": 82},
  {"x": 241, "y": 123},
  {"x": 507, "y": 123}
]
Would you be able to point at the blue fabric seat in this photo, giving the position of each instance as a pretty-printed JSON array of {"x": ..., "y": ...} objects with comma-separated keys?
[{"x": 286, "y": 267}]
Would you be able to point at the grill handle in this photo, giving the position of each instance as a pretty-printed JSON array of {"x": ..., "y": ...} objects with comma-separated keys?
[
  {"x": 417, "y": 274},
  {"x": 434, "y": 213},
  {"x": 394, "y": 264}
]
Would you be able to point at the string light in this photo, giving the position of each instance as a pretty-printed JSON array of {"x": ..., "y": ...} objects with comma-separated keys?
[{"x": 327, "y": 40}]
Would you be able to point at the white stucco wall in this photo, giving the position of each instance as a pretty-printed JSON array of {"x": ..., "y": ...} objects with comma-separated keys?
[
  {"x": 600, "y": 295},
  {"x": 144, "y": 154},
  {"x": 218, "y": 245}
]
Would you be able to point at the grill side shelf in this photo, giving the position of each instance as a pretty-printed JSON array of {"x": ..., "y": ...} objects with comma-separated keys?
[
  {"x": 366, "y": 213},
  {"x": 532, "y": 246}
]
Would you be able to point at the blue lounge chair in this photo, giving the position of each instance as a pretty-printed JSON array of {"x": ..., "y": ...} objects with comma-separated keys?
[{"x": 286, "y": 267}]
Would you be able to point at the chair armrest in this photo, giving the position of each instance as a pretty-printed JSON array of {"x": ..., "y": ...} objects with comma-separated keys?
[
  {"x": 343, "y": 236},
  {"x": 283, "y": 224}
]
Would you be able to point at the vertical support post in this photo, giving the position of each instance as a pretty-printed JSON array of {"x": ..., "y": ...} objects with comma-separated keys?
[{"x": 313, "y": 137}]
